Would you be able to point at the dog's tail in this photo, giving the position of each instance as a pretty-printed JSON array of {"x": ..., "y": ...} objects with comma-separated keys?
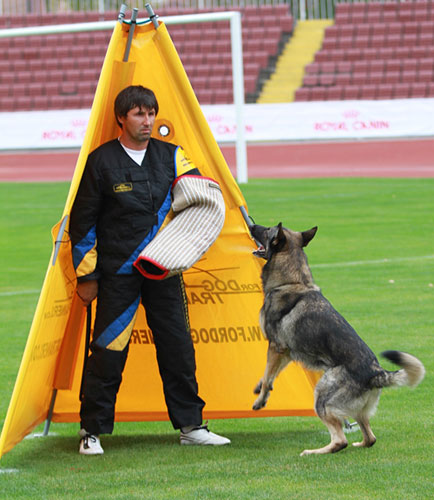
[{"x": 411, "y": 373}]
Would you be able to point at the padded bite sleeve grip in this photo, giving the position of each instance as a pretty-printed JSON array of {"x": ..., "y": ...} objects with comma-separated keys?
[{"x": 199, "y": 210}]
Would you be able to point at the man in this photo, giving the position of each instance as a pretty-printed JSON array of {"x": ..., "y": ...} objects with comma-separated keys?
[{"x": 123, "y": 199}]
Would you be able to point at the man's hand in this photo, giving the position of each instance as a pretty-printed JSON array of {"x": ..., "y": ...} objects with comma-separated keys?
[{"x": 87, "y": 291}]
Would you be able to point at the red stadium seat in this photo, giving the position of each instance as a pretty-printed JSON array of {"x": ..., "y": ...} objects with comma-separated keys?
[
  {"x": 328, "y": 67},
  {"x": 375, "y": 78},
  {"x": 343, "y": 79},
  {"x": 368, "y": 92},
  {"x": 351, "y": 92},
  {"x": 385, "y": 91},
  {"x": 302, "y": 94},
  {"x": 392, "y": 77},
  {"x": 326, "y": 80},
  {"x": 377, "y": 66},
  {"x": 361, "y": 66},
  {"x": 313, "y": 68},
  {"x": 335, "y": 93},
  {"x": 318, "y": 94},
  {"x": 40, "y": 102},
  {"x": 310, "y": 80},
  {"x": 401, "y": 91},
  {"x": 409, "y": 76},
  {"x": 426, "y": 76},
  {"x": 426, "y": 64},
  {"x": 344, "y": 66}
]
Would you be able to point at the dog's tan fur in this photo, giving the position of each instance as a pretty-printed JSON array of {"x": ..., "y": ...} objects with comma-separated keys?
[{"x": 301, "y": 325}]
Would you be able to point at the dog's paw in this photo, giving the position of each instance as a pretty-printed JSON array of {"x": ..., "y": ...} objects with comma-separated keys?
[
  {"x": 258, "y": 387},
  {"x": 306, "y": 452},
  {"x": 260, "y": 402}
]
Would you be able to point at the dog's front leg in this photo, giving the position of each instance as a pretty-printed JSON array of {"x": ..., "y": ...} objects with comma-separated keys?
[{"x": 276, "y": 362}]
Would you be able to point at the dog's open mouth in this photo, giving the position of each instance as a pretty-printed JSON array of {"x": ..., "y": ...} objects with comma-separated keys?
[{"x": 260, "y": 252}]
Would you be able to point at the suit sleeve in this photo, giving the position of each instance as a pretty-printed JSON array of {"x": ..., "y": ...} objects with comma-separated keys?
[{"x": 83, "y": 223}]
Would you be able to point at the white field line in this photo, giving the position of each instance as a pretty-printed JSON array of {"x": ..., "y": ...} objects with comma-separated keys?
[
  {"x": 374, "y": 262},
  {"x": 334, "y": 264},
  {"x": 19, "y": 292}
]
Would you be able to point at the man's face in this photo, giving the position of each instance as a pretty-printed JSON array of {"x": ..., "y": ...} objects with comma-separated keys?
[{"x": 137, "y": 125}]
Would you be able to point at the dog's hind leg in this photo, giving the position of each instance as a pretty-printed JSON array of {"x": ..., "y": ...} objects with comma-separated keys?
[
  {"x": 338, "y": 439},
  {"x": 368, "y": 436},
  {"x": 276, "y": 362},
  {"x": 363, "y": 419},
  {"x": 328, "y": 400}
]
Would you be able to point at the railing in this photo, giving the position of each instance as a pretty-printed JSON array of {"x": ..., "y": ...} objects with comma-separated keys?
[
  {"x": 10, "y": 7},
  {"x": 301, "y": 9}
]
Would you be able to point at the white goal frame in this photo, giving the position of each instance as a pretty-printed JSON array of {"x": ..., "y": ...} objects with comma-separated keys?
[{"x": 233, "y": 17}]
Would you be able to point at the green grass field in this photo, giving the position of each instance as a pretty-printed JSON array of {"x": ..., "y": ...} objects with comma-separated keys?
[{"x": 373, "y": 257}]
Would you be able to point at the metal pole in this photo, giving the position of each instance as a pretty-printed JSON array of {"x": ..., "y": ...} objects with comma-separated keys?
[
  {"x": 121, "y": 15},
  {"x": 130, "y": 34},
  {"x": 302, "y": 11},
  {"x": 50, "y": 413},
  {"x": 246, "y": 216},
  {"x": 59, "y": 239},
  {"x": 238, "y": 86},
  {"x": 152, "y": 15}
]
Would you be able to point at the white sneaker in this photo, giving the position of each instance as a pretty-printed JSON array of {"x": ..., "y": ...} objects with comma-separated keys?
[
  {"x": 201, "y": 435},
  {"x": 89, "y": 444}
]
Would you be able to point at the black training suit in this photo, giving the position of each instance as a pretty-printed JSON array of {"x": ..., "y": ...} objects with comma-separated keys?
[{"x": 119, "y": 208}]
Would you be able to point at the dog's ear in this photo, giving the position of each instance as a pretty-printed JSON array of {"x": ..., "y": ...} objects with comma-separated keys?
[
  {"x": 277, "y": 237},
  {"x": 308, "y": 235}
]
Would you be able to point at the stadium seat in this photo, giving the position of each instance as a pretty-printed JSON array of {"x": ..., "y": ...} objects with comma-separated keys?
[
  {"x": 343, "y": 79},
  {"x": 359, "y": 78},
  {"x": 344, "y": 66},
  {"x": 328, "y": 67},
  {"x": 335, "y": 93},
  {"x": 401, "y": 91},
  {"x": 361, "y": 66},
  {"x": 377, "y": 66},
  {"x": 318, "y": 94},
  {"x": 302, "y": 94},
  {"x": 351, "y": 92},
  {"x": 392, "y": 77},
  {"x": 310, "y": 80},
  {"x": 375, "y": 78},
  {"x": 408, "y": 76},
  {"x": 385, "y": 91},
  {"x": 425, "y": 64},
  {"x": 40, "y": 102},
  {"x": 22, "y": 103},
  {"x": 326, "y": 80},
  {"x": 368, "y": 92},
  {"x": 426, "y": 76}
]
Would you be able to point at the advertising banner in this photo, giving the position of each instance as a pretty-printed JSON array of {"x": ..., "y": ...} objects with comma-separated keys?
[{"x": 296, "y": 121}]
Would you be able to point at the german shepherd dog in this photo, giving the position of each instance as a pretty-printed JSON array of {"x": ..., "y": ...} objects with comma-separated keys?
[{"x": 301, "y": 325}]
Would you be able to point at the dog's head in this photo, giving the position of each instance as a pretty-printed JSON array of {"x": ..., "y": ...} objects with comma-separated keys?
[{"x": 277, "y": 239}]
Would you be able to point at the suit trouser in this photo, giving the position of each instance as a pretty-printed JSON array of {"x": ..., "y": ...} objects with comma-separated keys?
[{"x": 167, "y": 316}]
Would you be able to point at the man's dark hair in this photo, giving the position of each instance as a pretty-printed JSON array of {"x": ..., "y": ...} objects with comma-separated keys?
[{"x": 134, "y": 96}]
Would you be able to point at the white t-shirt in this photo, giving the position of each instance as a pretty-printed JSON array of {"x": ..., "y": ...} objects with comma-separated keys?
[{"x": 136, "y": 154}]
